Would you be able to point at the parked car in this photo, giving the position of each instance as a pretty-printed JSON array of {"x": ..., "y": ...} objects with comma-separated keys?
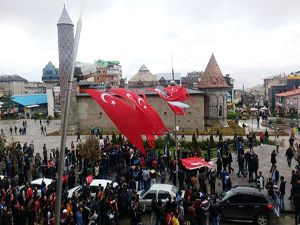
[
  {"x": 160, "y": 191},
  {"x": 93, "y": 187},
  {"x": 247, "y": 204},
  {"x": 38, "y": 184}
]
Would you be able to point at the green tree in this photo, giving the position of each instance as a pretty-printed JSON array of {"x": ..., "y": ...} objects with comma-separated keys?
[
  {"x": 90, "y": 150},
  {"x": 2, "y": 145},
  {"x": 159, "y": 143},
  {"x": 7, "y": 105}
]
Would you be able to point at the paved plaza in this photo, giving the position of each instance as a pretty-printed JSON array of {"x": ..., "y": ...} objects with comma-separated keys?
[{"x": 33, "y": 133}]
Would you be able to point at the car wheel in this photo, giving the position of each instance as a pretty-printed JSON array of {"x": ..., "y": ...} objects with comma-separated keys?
[{"x": 262, "y": 219}]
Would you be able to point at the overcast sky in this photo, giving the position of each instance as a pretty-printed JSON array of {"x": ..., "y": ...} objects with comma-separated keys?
[{"x": 250, "y": 39}]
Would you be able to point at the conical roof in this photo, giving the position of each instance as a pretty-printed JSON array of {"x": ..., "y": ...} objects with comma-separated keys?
[
  {"x": 143, "y": 75},
  {"x": 65, "y": 18},
  {"x": 212, "y": 76}
]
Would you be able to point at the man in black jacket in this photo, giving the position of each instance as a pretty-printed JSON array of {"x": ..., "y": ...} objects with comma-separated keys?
[
  {"x": 289, "y": 155},
  {"x": 282, "y": 191}
]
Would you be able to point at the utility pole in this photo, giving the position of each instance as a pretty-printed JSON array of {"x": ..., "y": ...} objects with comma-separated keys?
[
  {"x": 175, "y": 127},
  {"x": 65, "y": 123}
]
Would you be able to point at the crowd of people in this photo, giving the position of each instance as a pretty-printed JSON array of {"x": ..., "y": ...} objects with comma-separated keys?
[{"x": 24, "y": 203}]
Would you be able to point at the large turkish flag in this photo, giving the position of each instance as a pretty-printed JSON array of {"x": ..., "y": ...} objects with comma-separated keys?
[{"x": 122, "y": 114}]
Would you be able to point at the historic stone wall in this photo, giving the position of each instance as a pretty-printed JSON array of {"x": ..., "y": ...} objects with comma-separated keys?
[
  {"x": 92, "y": 115},
  {"x": 215, "y": 107}
]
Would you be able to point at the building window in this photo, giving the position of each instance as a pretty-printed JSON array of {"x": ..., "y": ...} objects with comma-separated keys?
[
  {"x": 220, "y": 111},
  {"x": 295, "y": 102}
]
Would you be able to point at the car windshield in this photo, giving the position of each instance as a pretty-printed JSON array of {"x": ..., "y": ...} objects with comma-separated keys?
[
  {"x": 223, "y": 194},
  {"x": 144, "y": 192},
  {"x": 174, "y": 189}
]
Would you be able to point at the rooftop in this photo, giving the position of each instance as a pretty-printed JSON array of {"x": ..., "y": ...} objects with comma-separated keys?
[
  {"x": 6, "y": 78},
  {"x": 30, "y": 99},
  {"x": 289, "y": 93},
  {"x": 168, "y": 76},
  {"x": 105, "y": 63},
  {"x": 143, "y": 75},
  {"x": 65, "y": 18},
  {"x": 102, "y": 88},
  {"x": 212, "y": 76}
]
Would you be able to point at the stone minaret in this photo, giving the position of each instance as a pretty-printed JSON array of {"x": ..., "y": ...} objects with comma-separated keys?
[{"x": 65, "y": 30}]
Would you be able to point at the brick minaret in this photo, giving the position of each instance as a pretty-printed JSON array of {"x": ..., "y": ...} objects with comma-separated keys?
[{"x": 65, "y": 30}]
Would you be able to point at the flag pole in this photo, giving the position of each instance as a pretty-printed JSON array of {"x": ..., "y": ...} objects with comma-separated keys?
[
  {"x": 65, "y": 122},
  {"x": 175, "y": 126}
]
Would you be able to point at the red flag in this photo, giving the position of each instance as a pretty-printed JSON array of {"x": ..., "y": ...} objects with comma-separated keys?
[
  {"x": 89, "y": 179},
  {"x": 149, "y": 116},
  {"x": 177, "y": 110},
  {"x": 173, "y": 95},
  {"x": 123, "y": 115},
  {"x": 176, "y": 93}
]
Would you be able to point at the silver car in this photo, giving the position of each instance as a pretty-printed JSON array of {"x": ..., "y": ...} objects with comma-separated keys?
[{"x": 160, "y": 191}]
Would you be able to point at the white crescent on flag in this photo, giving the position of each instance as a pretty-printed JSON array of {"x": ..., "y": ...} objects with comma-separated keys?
[
  {"x": 142, "y": 100},
  {"x": 179, "y": 104},
  {"x": 103, "y": 97},
  {"x": 129, "y": 96}
]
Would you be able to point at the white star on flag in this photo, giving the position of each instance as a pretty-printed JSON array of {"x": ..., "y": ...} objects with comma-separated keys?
[{"x": 113, "y": 102}]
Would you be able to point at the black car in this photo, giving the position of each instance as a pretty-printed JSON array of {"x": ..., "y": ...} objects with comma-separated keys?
[{"x": 246, "y": 204}]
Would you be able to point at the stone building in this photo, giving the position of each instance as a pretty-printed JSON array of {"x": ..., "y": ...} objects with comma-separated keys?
[
  {"x": 208, "y": 104},
  {"x": 215, "y": 88},
  {"x": 12, "y": 84},
  {"x": 91, "y": 114},
  {"x": 143, "y": 78}
]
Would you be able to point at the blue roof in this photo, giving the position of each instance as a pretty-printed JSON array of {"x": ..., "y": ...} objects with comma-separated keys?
[{"x": 30, "y": 99}]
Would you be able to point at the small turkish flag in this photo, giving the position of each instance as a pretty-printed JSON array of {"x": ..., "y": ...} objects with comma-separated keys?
[
  {"x": 176, "y": 93},
  {"x": 89, "y": 179},
  {"x": 173, "y": 95}
]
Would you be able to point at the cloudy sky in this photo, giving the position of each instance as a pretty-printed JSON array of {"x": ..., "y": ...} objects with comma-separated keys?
[{"x": 250, "y": 39}]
